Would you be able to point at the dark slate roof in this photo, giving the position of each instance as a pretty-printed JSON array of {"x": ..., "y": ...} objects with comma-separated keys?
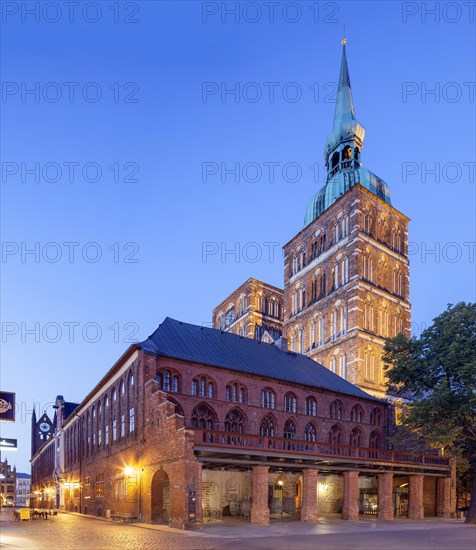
[{"x": 222, "y": 349}]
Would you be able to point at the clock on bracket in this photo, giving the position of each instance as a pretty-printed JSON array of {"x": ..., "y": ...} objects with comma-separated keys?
[{"x": 44, "y": 427}]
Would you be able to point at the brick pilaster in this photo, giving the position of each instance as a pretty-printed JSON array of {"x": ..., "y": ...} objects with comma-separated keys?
[
  {"x": 259, "y": 501},
  {"x": 351, "y": 496},
  {"x": 443, "y": 502},
  {"x": 309, "y": 496},
  {"x": 415, "y": 497},
  {"x": 385, "y": 496}
]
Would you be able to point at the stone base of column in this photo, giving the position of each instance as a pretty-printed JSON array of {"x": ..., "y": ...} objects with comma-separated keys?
[{"x": 351, "y": 496}]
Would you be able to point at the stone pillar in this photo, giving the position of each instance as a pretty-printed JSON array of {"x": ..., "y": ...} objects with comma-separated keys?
[
  {"x": 351, "y": 496},
  {"x": 259, "y": 500},
  {"x": 385, "y": 496},
  {"x": 415, "y": 497},
  {"x": 443, "y": 497},
  {"x": 309, "y": 496}
]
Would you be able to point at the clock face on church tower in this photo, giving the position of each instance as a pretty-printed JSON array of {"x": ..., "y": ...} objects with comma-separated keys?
[{"x": 44, "y": 427}]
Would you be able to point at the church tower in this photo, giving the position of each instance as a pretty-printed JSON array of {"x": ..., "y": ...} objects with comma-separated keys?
[{"x": 346, "y": 273}]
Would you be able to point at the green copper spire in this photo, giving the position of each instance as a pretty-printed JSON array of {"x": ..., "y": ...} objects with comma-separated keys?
[
  {"x": 346, "y": 127},
  {"x": 343, "y": 153}
]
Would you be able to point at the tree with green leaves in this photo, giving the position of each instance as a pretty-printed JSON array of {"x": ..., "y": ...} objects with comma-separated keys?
[{"x": 438, "y": 373}]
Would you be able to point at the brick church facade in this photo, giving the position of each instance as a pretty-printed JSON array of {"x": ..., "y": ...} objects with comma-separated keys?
[
  {"x": 276, "y": 410},
  {"x": 346, "y": 273}
]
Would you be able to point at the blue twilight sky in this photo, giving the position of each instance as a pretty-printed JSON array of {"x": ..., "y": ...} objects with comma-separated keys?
[{"x": 116, "y": 101}]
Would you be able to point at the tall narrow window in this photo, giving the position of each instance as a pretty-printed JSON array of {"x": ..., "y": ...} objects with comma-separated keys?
[
  {"x": 290, "y": 402},
  {"x": 267, "y": 427},
  {"x": 131, "y": 420},
  {"x": 311, "y": 406},
  {"x": 310, "y": 432},
  {"x": 267, "y": 398}
]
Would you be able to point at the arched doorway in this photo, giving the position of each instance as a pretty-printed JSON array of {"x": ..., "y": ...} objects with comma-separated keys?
[{"x": 160, "y": 498}]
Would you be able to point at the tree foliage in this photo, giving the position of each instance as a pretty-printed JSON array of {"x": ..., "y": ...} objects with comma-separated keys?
[{"x": 438, "y": 373}]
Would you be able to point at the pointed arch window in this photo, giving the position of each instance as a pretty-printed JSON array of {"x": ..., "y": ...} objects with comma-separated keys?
[
  {"x": 234, "y": 421},
  {"x": 342, "y": 365},
  {"x": 267, "y": 427},
  {"x": 397, "y": 280},
  {"x": 289, "y": 429},
  {"x": 357, "y": 414},
  {"x": 203, "y": 387},
  {"x": 298, "y": 339},
  {"x": 235, "y": 392},
  {"x": 367, "y": 220},
  {"x": 397, "y": 238},
  {"x": 375, "y": 417},
  {"x": 310, "y": 432},
  {"x": 335, "y": 435},
  {"x": 369, "y": 363},
  {"x": 311, "y": 406},
  {"x": 355, "y": 439},
  {"x": 299, "y": 259},
  {"x": 336, "y": 410},
  {"x": 369, "y": 314},
  {"x": 397, "y": 321},
  {"x": 367, "y": 265},
  {"x": 268, "y": 398},
  {"x": 374, "y": 440},
  {"x": 169, "y": 381},
  {"x": 383, "y": 320},
  {"x": 203, "y": 417},
  {"x": 290, "y": 402}
]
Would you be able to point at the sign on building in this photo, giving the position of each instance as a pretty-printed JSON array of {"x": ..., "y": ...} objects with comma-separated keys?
[
  {"x": 7, "y": 406},
  {"x": 8, "y": 444}
]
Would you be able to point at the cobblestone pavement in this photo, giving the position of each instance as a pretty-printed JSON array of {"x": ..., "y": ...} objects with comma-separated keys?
[
  {"x": 71, "y": 532},
  {"x": 74, "y": 532}
]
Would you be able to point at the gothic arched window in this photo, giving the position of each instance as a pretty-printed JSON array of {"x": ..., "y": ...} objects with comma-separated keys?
[
  {"x": 234, "y": 421},
  {"x": 375, "y": 417},
  {"x": 335, "y": 435},
  {"x": 311, "y": 406},
  {"x": 310, "y": 432},
  {"x": 290, "y": 402},
  {"x": 355, "y": 439},
  {"x": 374, "y": 440},
  {"x": 203, "y": 417},
  {"x": 267, "y": 398},
  {"x": 267, "y": 426},
  {"x": 336, "y": 410},
  {"x": 357, "y": 413},
  {"x": 289, "y": 429}
]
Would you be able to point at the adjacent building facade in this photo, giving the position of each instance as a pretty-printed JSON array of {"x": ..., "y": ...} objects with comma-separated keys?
[
  {"x": 22, "y": 495},
  {"x": 255, "y": 310},
  {"x": 8, "y": 475}
]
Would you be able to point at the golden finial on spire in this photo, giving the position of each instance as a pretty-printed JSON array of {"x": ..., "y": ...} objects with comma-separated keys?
[{"x": 344, "y": 41}]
